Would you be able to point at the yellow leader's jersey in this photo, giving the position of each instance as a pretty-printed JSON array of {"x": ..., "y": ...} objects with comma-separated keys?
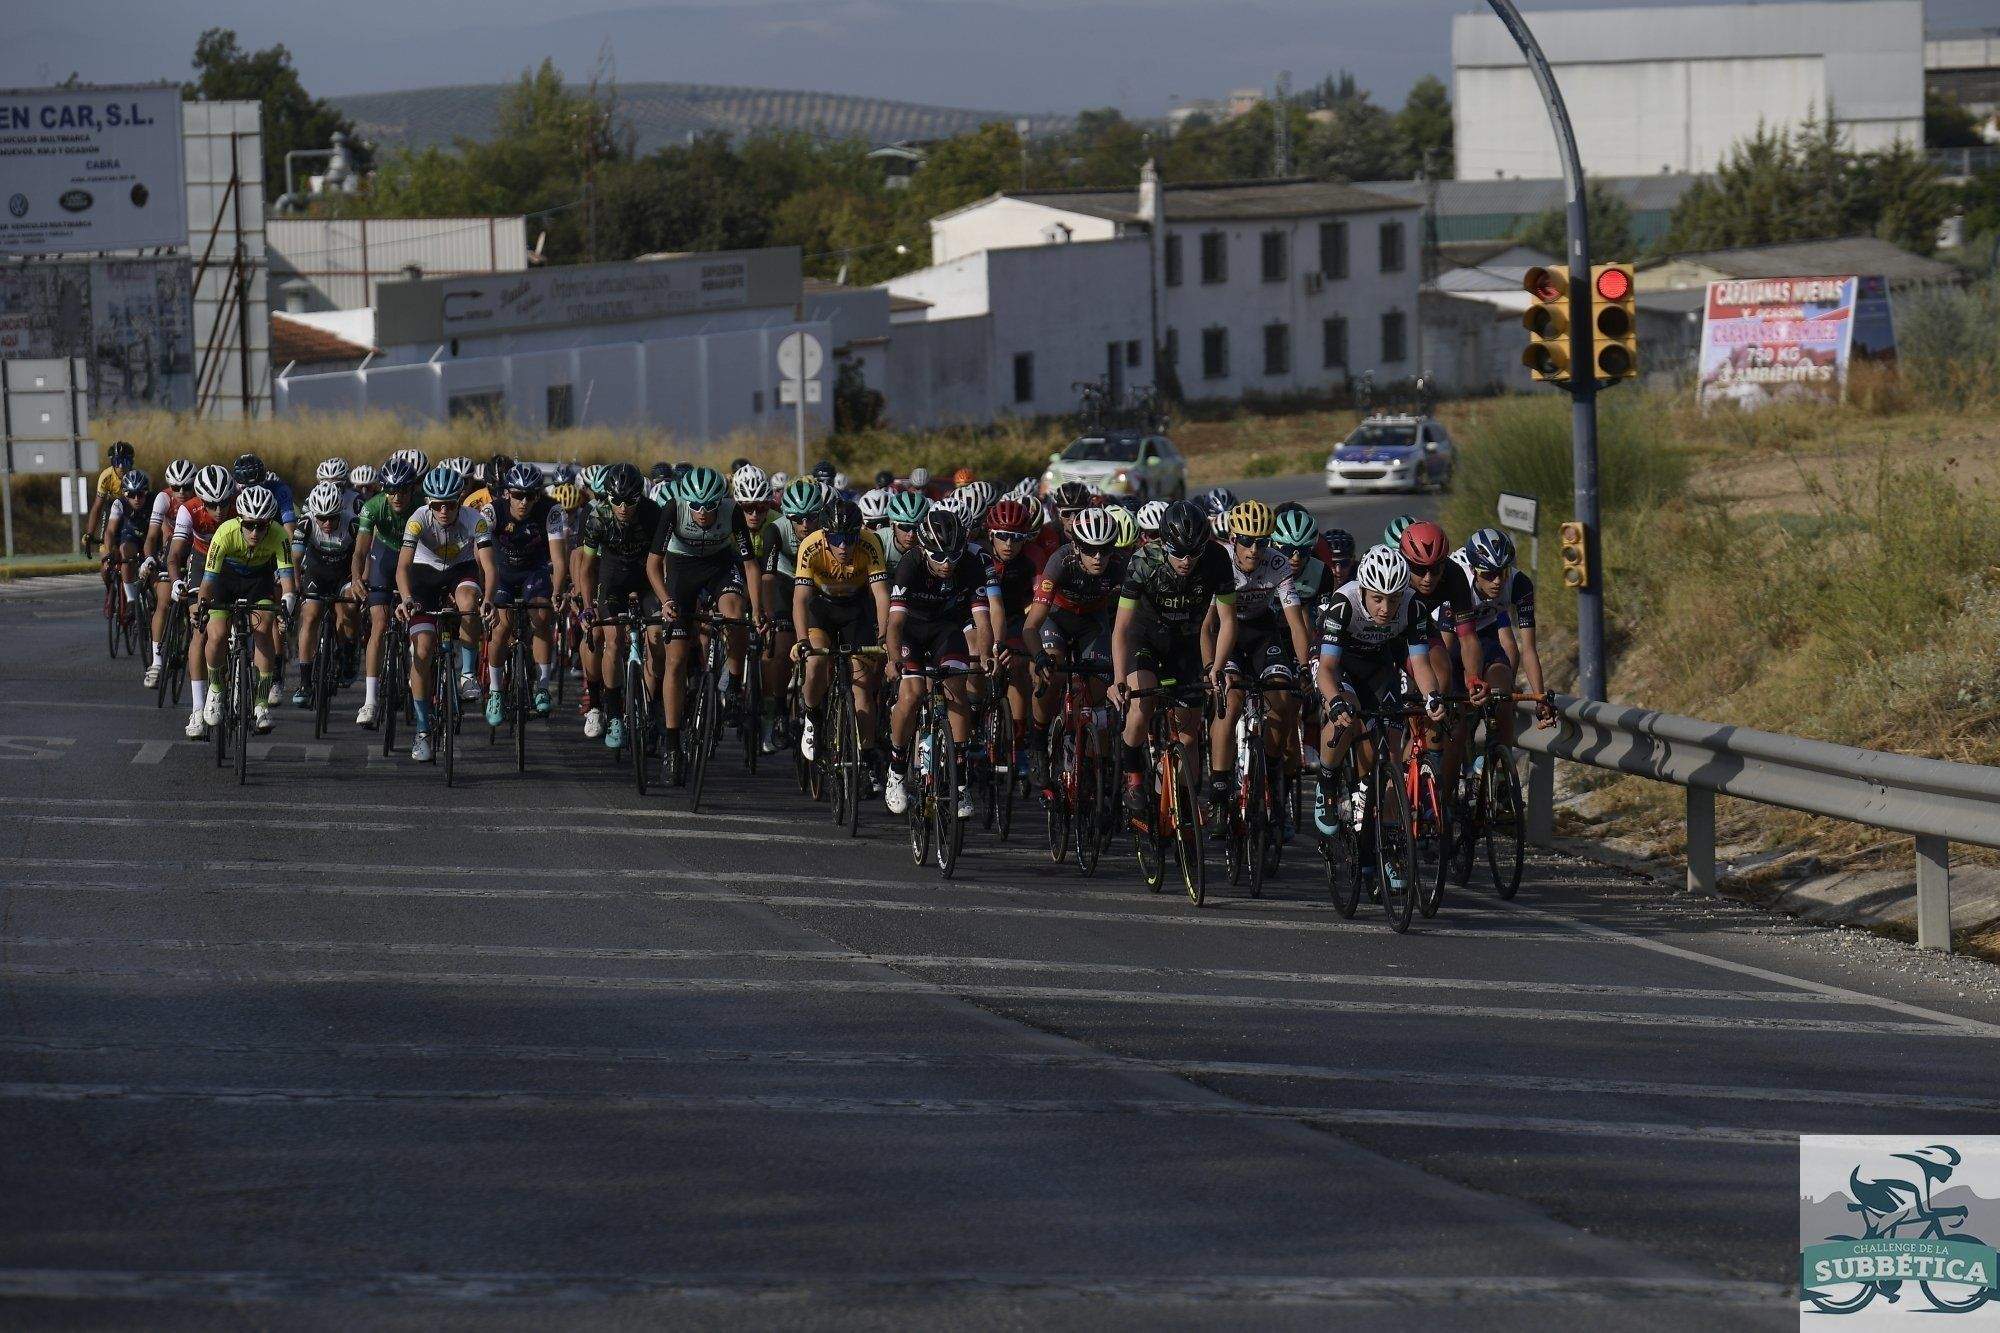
[{"x": 840, "y": 579}]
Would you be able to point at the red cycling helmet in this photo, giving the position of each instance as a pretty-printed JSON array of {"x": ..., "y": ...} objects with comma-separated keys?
[
  {"x": 1424, "y": 544},
  {"x": 1011, "y": 516}
]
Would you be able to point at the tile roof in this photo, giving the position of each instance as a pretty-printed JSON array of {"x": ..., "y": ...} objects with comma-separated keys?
[
  {"x": 1218, "y": 201},
  {"x": 1837, "y": 255},
  {"x": 1464, "y": 198},
  {"x": 294, "y": 340}
]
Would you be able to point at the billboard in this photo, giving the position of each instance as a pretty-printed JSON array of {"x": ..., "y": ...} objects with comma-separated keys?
[
  {"x": 131, "y": 320},
  {"x": 88, "y": 169},
  {"x": 1767, "y": 340}
]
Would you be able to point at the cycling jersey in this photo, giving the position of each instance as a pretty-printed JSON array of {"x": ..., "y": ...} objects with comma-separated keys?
[
  {"x": 282, "y": 493},
  {"x": 231, "y": 553},
  {"x": 840, "y": 578},
  {"x": 522, "y": 544},
  {"x": 480, "y": 499},
  {"x": 110, "y": 483},
  {"x": 684, "y": 539},
  {"x": 1019, "y": 576},
  {"x": 124, "y": 516},
  {"x": 1177, "y": 602},
  {"x": 778, "y": 546},
  {"x": 438, "y": 544},
  {"x": 166, "y": 508},
  {"x": 1311, "y": 585},
  {"x": 1515, "y": 604},
  {"x": 1066, "y": 586},
  {"x": 940, "y": 599},
  {"x": 1348, "y": 633},
  {"x": 195, "y": 524},
  {"x": 325, "y": 548},
  {"x": 624, "y": 545},
  {"x": 385, "y": 522},
  {"x": 1266, "y": 589},
  {"x": 1450, "y": 607}
]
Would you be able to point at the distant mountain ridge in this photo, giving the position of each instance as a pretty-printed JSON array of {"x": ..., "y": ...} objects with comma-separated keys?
[
  {"x": 1831, "y": 1215},
  {"x": 667, "y": 113}
]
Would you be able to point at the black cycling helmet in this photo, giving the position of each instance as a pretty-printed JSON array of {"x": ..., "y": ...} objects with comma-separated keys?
[
  {"x": 624, "y": 484},
  {"x": 524, "y": 477},
  {"x": 398, "y": 474},
  {"x": 841, "y": 518},
  {"x": 249, "y": 469},
  {"x": 121, "y": 455},
  {"x": 660, "y": 472},
  {"x": 941, "y": 535},
  {"x": 825, "y": 471},
  {"x": 497, "y": 468},
  {"x": 1339, "y": 543},
  {"x": 1071, "y": 495},
  {"x": 884, "y": 479},
  {"x": 737, "y": 465},
  {"x": 1184, "y": 530}
]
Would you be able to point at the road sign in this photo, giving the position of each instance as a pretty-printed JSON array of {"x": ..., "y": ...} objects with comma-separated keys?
[
  {"x": 788, "y": 392},
  {"x": 1519, "y": 512},
  {"x": 789, "y": 353},
  {"x": 35, "y": 456}
]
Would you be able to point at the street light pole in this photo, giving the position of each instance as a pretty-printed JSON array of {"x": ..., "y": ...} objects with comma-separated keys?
[{"x": 1583, "y": 383}]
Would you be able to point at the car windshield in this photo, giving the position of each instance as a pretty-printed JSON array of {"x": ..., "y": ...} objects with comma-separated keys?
[
  {"x": 1381, "y": 437},
  {"x": 1097, "y": 449}
]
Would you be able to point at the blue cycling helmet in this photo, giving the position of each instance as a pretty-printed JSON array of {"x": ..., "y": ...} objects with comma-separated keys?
[
  {"x": 907, "y": 508},
  {"x": 525, "y": 477},
  {"x": 443, "y": 483},
  {"x": 1489, "y": 550},
  {"x": 398, "y": 474}
]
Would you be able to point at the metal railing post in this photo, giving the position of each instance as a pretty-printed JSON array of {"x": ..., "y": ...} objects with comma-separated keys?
[
  {"x": 1933, "y": 893},
  {"x": 1541, "y": 799},
  {"x": 1701, "y": 841}
]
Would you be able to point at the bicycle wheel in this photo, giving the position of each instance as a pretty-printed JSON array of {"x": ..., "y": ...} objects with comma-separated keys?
[
  {"x": 444, "y": 706},
  {"x": 1000, "y": 774},
  {"x": 1342, "y": 849},
  {"x": 635, "y": 723},
  {"x": 833, "y": 750},
  {"x": 1435, "y": 850},
  {"x": 916, "y": 782},
  {"x": 752, "y": 724},
  {"x": 394, "y": 680},
  {"x": 853, "y": 766},
  {"x": 521, "y": 694},
  {"x": 1091, "y": 801},
  {"x": 1256, "y": 818},
  {"x": 1500, "y": 817},
  {"x": 165, "y": 684},
  {"x": 246, "y": 709},
  {"x": 1395, "y": 844},
  {"x": 950, "y": 831},
  {"x": 114, "y": 597},
  {"x": 1150, "y": 844},
  {"x": 1062, "y": 800},
  {"x": 324, "y": 647},
  {"x": 1189, "y": 833},
  {"x": 1277, "y": 802},
  {"x": 140, "y": 643},
  {"x": 701, "y": 737},
  {"x": 1955, "y": 1297}
]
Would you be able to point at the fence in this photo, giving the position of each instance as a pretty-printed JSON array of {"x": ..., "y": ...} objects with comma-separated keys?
[{"x": 1935, "y": 802}]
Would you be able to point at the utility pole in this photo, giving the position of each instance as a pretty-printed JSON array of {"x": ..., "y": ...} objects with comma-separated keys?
[
  {"x": 1583, "y": 387},
  {"x": 1281, "y": 127}
]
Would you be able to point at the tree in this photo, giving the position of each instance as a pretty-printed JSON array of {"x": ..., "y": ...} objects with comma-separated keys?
[
  {"x": 1349, "y": 138},
  {"x": 292, "y": 118},
  {"x": 1423, "y": 130},
  {"x": 1947, "y": 124},
  {"x": 1609, "y": 220}
]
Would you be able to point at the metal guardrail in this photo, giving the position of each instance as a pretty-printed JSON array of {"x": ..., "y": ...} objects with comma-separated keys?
[{"x": 1935, "y": 802}]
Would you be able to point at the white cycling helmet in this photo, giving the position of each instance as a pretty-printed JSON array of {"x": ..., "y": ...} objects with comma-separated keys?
[
  {"x": 180, "y": 472},
  {"x": 750, "y": 485},
  {"x": 975, "y": 498},
  {"x": 333, "y": 470},
  {"x": 362, "y": 476},
  {"x": 1150, "y": 514},
  {"x": 213, "y": 485},
  {"x": 256, "y": 505},
  {"x": 1384, "y": 570},
  {"x": 952, "y": 504},
  {"x": 920, "y": 477},
  {"x": 875, "y": 505},
  {"x": 1094, "y": 527},
  {"x": 840, "y": 481},
  {"x": 326, "y": 500},
  {"x": 780, "y": 480}
]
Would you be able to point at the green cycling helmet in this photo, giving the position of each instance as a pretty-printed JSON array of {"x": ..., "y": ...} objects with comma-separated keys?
[
  {"x": 908, "y": 507},
  {"x": 1392, "y": 536},
  {"x": 594, "y": 477},
  {"x": 701, "y": 486},
  {"x": 1295, "y": 529},
  {"x": 803, "y": 498}
]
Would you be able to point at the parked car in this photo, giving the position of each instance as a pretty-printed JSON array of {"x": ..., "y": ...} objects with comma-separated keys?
[
  {"x": 1391, "y": 453},
  {"x": 1121, "y": 462}
]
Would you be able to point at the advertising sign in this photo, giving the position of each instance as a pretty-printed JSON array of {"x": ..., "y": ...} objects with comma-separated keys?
[
  {"x": 1766, "y": 340},
  {"x": 85, "y": 169}
]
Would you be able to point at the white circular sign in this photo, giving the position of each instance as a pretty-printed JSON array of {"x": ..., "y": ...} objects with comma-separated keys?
[{"x": 789, "y": 352}]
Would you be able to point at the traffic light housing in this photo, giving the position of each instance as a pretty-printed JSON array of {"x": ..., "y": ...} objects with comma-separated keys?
[
  {"x": 1614, "y": 323},
  {"x": 1548, "y": 355},
  {"x": 1575, "y": 555}
]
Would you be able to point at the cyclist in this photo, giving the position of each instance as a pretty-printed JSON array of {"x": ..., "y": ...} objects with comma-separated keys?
[
  {"x": 1069, "y": 622},
  {"x": 1216, "y": 505},
  {"x": 1443, "y": 597},
  {"x": 1148, "y": 519},
  {"x": 446, "y": 559},
  {"x": 378, "y": 542},
  {"x": 616, "y": 541},
  {"x": 249, "y": 559},
  {"x": 1020, "y": 546},
  {"x": 840, "y": 599},
  {"x": 1070, "y": 499},
  {"x": 123, "y": 535},
  {"x": 194, "y": 529},
  {"x": 323, "y": 555},
  {"x": 531, "y": 545},
  {"x": 1504, "y": 622},
  {"x": 159, "y": 536},
  {"x": 899, "y": 534},
  {"x": 1157, "y": 636},
  {"x": 941, "y": 613},
  {"x": 250, "y": 471},
  {"x": 593, "y": 483},
  {"x": 118, "y": 459},
  {"x": 1271, "y": 635},
  {"x": 1371, "y": 631},
  {"x": 362, "y": 482},
  {"x": 702, "y": 556}
]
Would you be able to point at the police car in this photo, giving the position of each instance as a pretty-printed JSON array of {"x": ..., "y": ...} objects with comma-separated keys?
[{"x": 1391, "y": 453}]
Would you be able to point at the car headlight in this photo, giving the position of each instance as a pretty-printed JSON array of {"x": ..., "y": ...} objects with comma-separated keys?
[{"x": 1049, "y": 477}]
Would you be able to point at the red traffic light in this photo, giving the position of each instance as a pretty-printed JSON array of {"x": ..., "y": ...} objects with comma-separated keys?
[{"x": 1614, "y": 284}]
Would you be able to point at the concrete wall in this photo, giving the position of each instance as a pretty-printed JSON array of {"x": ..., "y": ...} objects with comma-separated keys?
[
  {"x": 940, "y": 372},
  {"x": 999, "y": 224},
  {"x": 1064, "y": 305}
]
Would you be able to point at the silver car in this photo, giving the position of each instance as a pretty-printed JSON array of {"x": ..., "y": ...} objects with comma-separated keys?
[
  {"x": 1121, "y": 462},
  {"x": 1391, "y": 453}
]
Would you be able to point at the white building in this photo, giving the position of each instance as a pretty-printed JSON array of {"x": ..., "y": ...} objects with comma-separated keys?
[
  {"x": 1670, "y": 89},
  {"x": 1250, "y": 287},
  {"x": 335, "y": 263}
]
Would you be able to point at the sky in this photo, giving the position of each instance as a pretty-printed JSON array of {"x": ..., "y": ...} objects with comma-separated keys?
[{"x": 1142, "y": 56}]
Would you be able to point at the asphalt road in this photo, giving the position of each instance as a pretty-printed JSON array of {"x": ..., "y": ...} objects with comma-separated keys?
[{"x": 344, "y": 1047}]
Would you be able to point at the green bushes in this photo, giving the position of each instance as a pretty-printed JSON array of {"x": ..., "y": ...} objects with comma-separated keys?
[{"x": 1948, "y": 343}]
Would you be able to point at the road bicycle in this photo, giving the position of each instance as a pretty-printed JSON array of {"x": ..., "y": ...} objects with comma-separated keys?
[
  {"x": 238, "y": 684},
  {"x": 1400, "y": 826},
  {"x": 174, "y": 652},
  {"x": 1172, "y": 815},
  {"x": 990, "y": 757},
  {"x": 701, "y": 728},
  {"x": 518, "y": 678},
  {"x": 333, "y": 657},
  {"x": 1080, "y": 798},
  {"x": 632, "y": 623},
  {"x": 1252, "y": 835},
  {"x": 1492, "y": 813},
  {"x": 932, "y": 779},
  {"x": 394, "y": 689},
  {"x": 1951, "y": 1297},
  {"x": 842, "y": 767},
  {"x": 126, "y": 623},
  {"x": 446, "y": 709}
]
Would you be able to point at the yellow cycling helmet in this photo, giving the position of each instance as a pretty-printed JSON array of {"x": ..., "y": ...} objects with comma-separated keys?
[
  {"x": 1251, "y": 518},
  {"x": 1128, "y": 528},
  {"x": 566, "y": 496}
]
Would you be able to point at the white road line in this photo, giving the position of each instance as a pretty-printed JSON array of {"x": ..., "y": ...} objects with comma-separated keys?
[
  {"x": 169, "y": 816},
  {"x": 614, "y": 954},
  {"x": 916, "y": 1288},
  {"x": 948, "y": 1107},
  {"x": 457, "y": 825},
  {"x": 1163, "y": 1000},
  {"x": 427, "y": 1052}
]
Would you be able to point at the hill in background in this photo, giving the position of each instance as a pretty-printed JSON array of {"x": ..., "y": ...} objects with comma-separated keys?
[{"x": 668, "y": 113}]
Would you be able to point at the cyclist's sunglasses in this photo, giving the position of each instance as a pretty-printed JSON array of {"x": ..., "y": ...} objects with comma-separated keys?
[
  {"x": 520, "y": 495},
  {"x": 182, "y": 490},
  {"x": 1002, "y": 535},
  {"x": 1253, "y": 543},
  {"x": 440, "y": 506},
  {"x": 257, "y": 526},
  {"x": 755, "y": 507},
  {"x": 907, "y": 529},
  {"x": 1091, "y": 548},
  {"x": 841, "y": 538},
  {"x": 1418, "y": 571},
  {"x": 704, "y": 506}
]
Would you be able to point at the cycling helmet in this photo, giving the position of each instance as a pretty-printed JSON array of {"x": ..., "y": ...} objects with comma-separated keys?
[
  {"x": 180, "y": 472},
  {"x": 965, "y": 476},
  {"x": 908, "y": 507},
  {"x": 1150, "y": 515},
  {"x": 596, "y": 475},
  {"x": 1128, "y": 527},
  {"x": 398, "y": 474},
  {"x": 497, "y": 469},
  {"x": 567, "y": 495},
  {"x": 1250, "y": 518},
  {"x": 326, "y": 501},
  {"x": 840, "y": 483},
  {"x": 842, "y": 518},
  {"x": 874, "y": 504},
  {"x": 1220, "y": 500},
  {"x": 1183, "y": 530},
  {"x": 1340, "y": 543},
  {"x": 213, "y": 485},
  {"x": 1490, "y": 550},
  {"x": 1095, "y": 527},
  {"x": 121, "y": 455},
  {"x": 623, "y": 484},
  {"x": 419, "y": 461},
  {"x": 1071, "y": 495},
  {"x": 249, "y": 469},
  {"x": 525, "y": 477},
  {"x": 661, "y": 471},
  {"x": 823, "y": 472},
  {"x": 463, "y": 465},
  {"x": 951, "y": 504},
  {"x": 660, "y": 490},
  {"x": 941, "y": 535},
  {"x": 748, "y": 485},
  {"x": 1295, "y": 528},
  {"x": 361, "y": 476},
  {"x": 1424, "y": 544},
  {"x": 566, "y": 474},
  {"x": 780, "y": 480},
  {"x": 333, "y": 470},
  {"x": 136, "y": 482},
  {"x": 1012, "y": 516},
  {"x": 443, "y": 482},
  {"x": 1393, "y": 534},
  {"x": 803, "y": 498},
  {"x": 256, "y": 505},
  {"x": 701, "y": 486},
  {"x": 1384, "y": 570},
  {"x": 920, "y": 477},
  {"x": 974, "y": 499}
]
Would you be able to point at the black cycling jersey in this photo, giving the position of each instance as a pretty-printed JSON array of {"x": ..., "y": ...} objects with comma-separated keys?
[
  {"x": 949, "y": 599},
  {"x": 622, "y": 546},
  {"x": 1177, "y": 601},
  {"x": 522, "y": 544},
  {"x": 1450, "y": 607},
  {"x": 1066, "y": 586}
]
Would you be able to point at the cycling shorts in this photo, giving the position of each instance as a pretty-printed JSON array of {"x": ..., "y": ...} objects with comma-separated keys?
[
  {"x": 941, "y": 645},
  {"x": 434, "y": 590},
  {"x": 260, "y": 589},
  {"x": 322, "y": 580},
  {"x": 1168, "y": 654},
  {"x": 1081, "y": 640},
  {"x": 523, "y": 585},
  {"x": 848, "y": 624},
  {"x": 696, "y": 584},
  {"x": 1262, "y": 652}
]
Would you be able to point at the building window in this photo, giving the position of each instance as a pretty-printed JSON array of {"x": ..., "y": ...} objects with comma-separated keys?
[
  {"x": 1215, "y": 354},
  {"x": 1024, "y": 377},
  {"x": 1274, "y": 256},
  {"x": 1171, "y": 352},
  {"x": 1215, "y": 256},
  {"x": 561, "y": 407},
  {"x": 1333, "y": 249},
  {"x": 1392, "y": 247},
  {"x": 756, "y": 402},
  {"x": 1173, "y": 259},
  {"x": 1132, "y": 352},
  {"x": 1394, "y": 339},
  {"x": 484, "y": 405},
  {"x": 1277, "y": 349},
  {"x": 1333, "y": 343}
]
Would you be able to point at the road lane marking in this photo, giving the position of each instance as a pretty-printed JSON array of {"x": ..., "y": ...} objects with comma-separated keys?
[
  {"x": 346, "y": 825},
  {"x": 169, "y": 818},
  {"x": 990, "y": 992},
  {"x": 35, "y": 747}
]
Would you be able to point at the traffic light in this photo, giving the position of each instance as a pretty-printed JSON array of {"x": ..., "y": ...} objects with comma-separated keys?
[
  {"x": 1614, "y": 323},
  {"x": 1546, "y": 319},
  {"x": 1575, "y": 555}
]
